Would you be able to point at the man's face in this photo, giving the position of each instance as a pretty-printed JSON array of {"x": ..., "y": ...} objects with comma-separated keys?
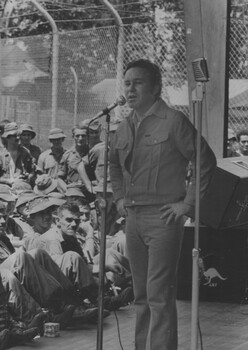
[
  {"x": 26, "y": 137},
  {"x": 13, "y": 140},
  {"x": 243, "y": 144},
  {"x": 68, "y": 222},
  {"x": 94, "y": 137},
  {"x": 2, "y": 222},
  {"x": 57, "y": 143},
  {"x": 80, "y": 138},
  {"x": 42, "y": 220},
  {"x": 84, "y": 213},
  {"x": 139, "y": 92}
]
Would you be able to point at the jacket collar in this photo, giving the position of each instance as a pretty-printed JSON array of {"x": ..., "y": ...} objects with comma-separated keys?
[{"x": 157, "y": 109}]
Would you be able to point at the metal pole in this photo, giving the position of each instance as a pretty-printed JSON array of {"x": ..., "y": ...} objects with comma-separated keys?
[
  {"x": 75, "y": 95},
  {"x": 119, "y": 23},
  {"x": 103, "y": 205},
  {"x": 1, "y": 102},
  {"x": 195, "y": 253},
  {"x": 120, "y": 51},
  {"x": 55, "y": 58},
  {"x": 55, "y": 61}
]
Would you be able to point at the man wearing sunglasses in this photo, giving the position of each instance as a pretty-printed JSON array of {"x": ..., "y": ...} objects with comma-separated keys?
[{"x": 15, "y": 162}]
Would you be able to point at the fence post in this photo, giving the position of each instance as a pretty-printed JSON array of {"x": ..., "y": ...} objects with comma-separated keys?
[
  {"x": 75, "y": 95},
  {"x": 120, "y": 53},
  {"x": 55, "y": 61},
  {"x": 1, "y": 107},
  {"x": 203, "y": 40},
  {"x": 55, "y": 57}
]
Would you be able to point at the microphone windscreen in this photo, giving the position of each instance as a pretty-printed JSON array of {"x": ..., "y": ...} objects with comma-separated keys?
[{"x": 121, "y": 100}]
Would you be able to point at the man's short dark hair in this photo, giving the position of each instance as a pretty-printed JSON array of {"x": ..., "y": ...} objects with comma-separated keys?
[
  {"x": 77, "y": 126},
  {"x": 241, "y": 133},
  {"x": 71, "y": 207},
  {"x": 151, "y": 68},
  {"x": 77, "y": 201}
]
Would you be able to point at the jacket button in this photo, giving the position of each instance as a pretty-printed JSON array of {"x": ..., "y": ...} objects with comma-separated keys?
[
  {"x": 133, "y": 202},
  {"x": 155, "y": 141},
  {"x": 132, "y": 184}
]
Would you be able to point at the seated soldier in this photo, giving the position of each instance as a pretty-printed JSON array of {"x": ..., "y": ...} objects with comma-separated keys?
[
  {"x": 21, "y": 317},
  {"x": 75, "y": 194},
  {"x": 17, "y": 225},
  {"x": 61, "y": 243},
  {"x": 48, "y": 161},
  {"x": 72, "y": 157},
  {"x": 15, "y": 161},
  {"x": 89, "y": 240},
  {"x": 40, "y": 217},
  {"x": 41, "y": 277},
  {"x": 118, "y": 240},
  {"x": 27, "y": 134},
  {"x": 28, "y": 284},
  {"x": 17, "y": 307}
]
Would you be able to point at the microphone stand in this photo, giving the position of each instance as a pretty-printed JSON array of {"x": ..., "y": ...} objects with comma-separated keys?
[
  {"x": 103, "y": 206},
  {"x": 197, "y": 98}
]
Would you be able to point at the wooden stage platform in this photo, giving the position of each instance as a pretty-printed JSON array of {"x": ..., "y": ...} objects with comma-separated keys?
[{"x": 223, "y": 327}]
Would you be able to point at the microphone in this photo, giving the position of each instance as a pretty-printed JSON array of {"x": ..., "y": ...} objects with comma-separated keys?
[
  {"x": 200, "y": 69},
  {"x": 119, "y": 102}
]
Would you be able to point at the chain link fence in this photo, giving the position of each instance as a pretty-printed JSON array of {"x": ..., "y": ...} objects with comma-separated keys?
[
  {"x": 87, "y": 73},
  {"x": 238, "y": 75}
]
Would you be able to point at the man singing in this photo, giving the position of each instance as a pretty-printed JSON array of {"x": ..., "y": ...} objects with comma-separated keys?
[{"x": 148, "y": 166}]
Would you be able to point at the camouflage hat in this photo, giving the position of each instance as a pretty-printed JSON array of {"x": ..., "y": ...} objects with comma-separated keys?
[
  {"x": 6, "y": 194},
  {"x": 29, "y": 128},
  {"x": 21, "y": 186},
  {"x": 44, "y": 184},
  {"x": 40, "y": 203},
  {"x": 56, "y": 133},
  {"x": 26, "y": 197},
  {"x": 74, "y": 190},
  {"x": 11, "y": 129},
  {"x": 57, "y": 195}
]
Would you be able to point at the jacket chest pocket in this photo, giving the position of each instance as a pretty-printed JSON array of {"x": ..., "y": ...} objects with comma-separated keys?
[
  {"x": 156, "y": 139},
  {"x": 156, "y": 146}
]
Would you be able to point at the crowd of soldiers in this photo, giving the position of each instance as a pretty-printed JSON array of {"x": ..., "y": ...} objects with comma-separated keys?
[{"x": 50, "y": 234}]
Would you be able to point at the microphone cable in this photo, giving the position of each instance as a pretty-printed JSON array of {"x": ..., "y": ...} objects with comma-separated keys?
[
  {"x": 200, "y": 333},
  {"x": 118, "y": 330}
]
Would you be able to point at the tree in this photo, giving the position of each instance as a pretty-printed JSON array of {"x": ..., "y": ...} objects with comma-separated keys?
[{"x": 70, "y": 15}]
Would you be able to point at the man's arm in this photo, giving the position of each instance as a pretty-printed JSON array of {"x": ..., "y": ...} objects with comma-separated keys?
[
  {"x": 63, "y": 168},
  {"x": 186, "y": 139},
  {"x": 40, "y": 162},
  {"x": 86, "y": 230},
  {"x": 84, "y": 176}
]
